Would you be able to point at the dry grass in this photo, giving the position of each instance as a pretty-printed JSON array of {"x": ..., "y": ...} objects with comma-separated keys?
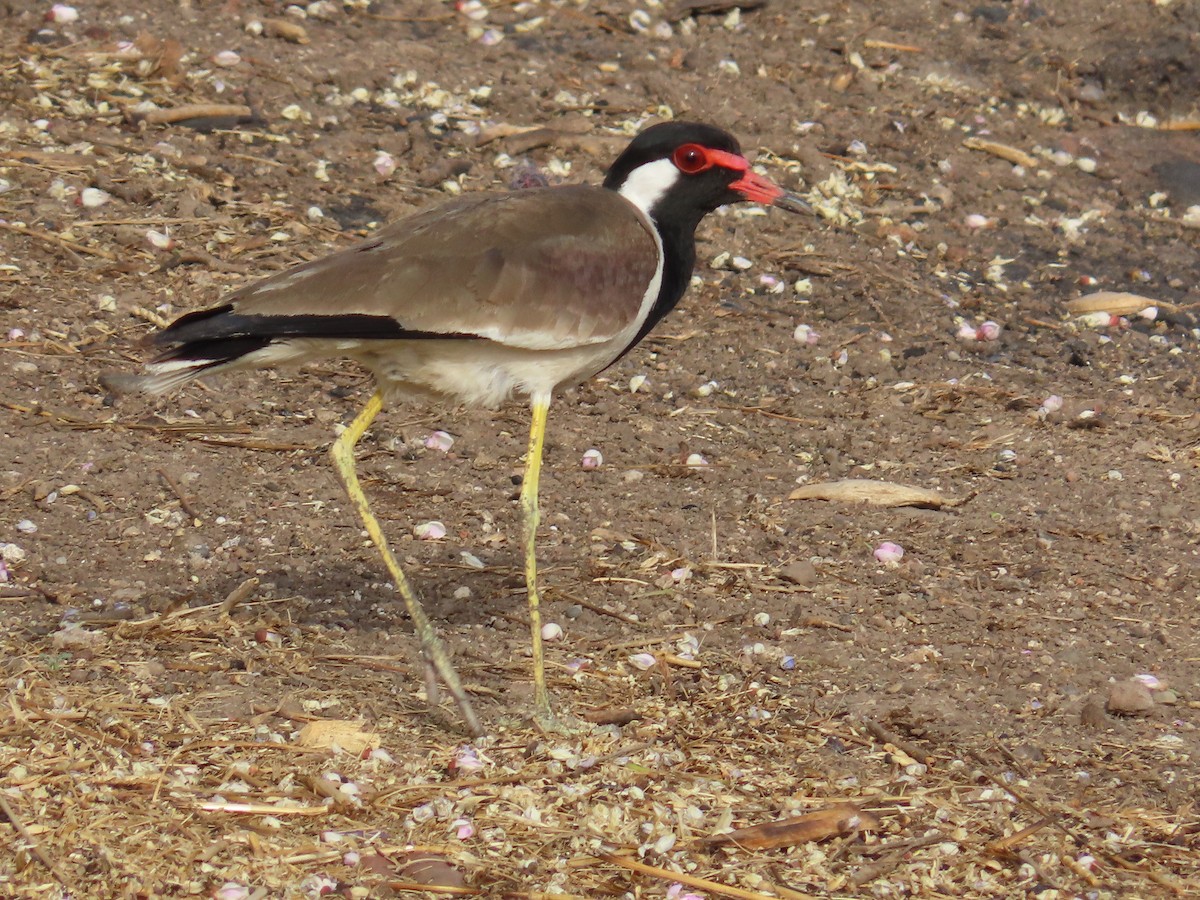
[
  {"x": 124, "y": 778},
  {"x": 174, "y": 755}
]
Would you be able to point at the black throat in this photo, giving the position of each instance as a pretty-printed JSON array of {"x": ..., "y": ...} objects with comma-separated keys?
[{"x": 676, "y": 226}]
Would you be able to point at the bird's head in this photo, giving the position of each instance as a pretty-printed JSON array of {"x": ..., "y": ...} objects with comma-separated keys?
[{"x": 687, "y": 169}]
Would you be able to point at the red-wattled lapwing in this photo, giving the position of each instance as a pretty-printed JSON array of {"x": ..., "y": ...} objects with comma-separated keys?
[{"x": 480, "y": 298}]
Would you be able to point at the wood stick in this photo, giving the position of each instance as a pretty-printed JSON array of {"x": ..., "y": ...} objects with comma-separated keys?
[
  {"x": 692, "y": 881},
  {"x": 34, "y": 847},
  {"x": 194, "y": 111},
  {"x": 889, "y": 737},
  {"x": 239, "y": 593},
  {"x": 54, "y": 239},
  {"x": 184, "y": 503}
]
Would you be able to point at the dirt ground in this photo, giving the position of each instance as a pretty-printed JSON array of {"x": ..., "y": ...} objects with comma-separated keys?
[{"x": 191, "y": 605}]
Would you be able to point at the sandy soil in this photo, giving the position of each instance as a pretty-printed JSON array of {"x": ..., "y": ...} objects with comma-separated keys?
[{"x": 754, "y": 660}]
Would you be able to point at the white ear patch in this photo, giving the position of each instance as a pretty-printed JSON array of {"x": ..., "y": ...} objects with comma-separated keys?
[{"x": 647, "y": 183}]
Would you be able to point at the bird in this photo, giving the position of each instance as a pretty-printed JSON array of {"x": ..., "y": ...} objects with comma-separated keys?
[{"x": 470, "y": 302}]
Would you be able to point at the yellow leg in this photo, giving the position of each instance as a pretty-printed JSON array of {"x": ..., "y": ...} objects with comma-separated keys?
[
  {"x": 543, "y": 716},
  {"x": 431, "y": 646}
]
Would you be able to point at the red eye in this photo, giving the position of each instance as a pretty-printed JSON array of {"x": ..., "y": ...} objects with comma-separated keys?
[{"x": 691, "y": 158}]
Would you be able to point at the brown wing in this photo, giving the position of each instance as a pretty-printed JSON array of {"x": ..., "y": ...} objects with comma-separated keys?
[{"x": 540, "y": 269}]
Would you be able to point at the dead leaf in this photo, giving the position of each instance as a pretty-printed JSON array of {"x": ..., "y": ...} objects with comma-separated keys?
[
  {"x": 877, "y": 493},
  {"x": 1003, "y": 151},
  {"x": 325, "y": 734},
  {"x": 434, "y": 871},
  {"x": 621, "y": 716},
  {"x": 165, "y": 54},
  {"x": 814, "y": 826},
  {"x": 1116, "y": 303},
  {"x": 286, "y": 29}
]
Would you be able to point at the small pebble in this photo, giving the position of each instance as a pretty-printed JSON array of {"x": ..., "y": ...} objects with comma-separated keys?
[
  {"x": 695, "y": 459},
  {"x": 592, "y": 459},
  {"x": 1092, "y": 715},
  {"x": 801, "y": 572},
  {"x": 1129, "y": 698},
  {"x": 226, "y": 58},
  {"x": 552, "y": 631}
]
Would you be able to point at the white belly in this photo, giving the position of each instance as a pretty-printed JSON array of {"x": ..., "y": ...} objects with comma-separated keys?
[{"x": 480, "y": 373}]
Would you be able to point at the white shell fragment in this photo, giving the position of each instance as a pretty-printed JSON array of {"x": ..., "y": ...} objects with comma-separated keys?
[
  {"x": 804, "y": 334},
  {"x": 439, "y": 440},
  {"x": 429, "y": 531},
  {"x": 643, "y": 661},
  {"x": 695, "y": 459},
  {"x": 91, "y": 197},
  {"x": 1051, "y": 404},
  {"x": 988, "y": 331},
  {"x": 159, "y": 240},
  {"x": 385, "y": 163},
  {"x": 552, "y": 631},
  {"x": 62, "y": 14},
  {"x": 889, "y": 552},
  {"x": 876, "y": 493},
  {"x": 226, "y": 59},
  {"x": 636, "y": 383},
  {"x": 592, "y": 459}
]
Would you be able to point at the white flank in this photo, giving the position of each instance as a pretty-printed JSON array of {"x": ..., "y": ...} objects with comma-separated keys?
[{"x": 647, "y": 183}]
